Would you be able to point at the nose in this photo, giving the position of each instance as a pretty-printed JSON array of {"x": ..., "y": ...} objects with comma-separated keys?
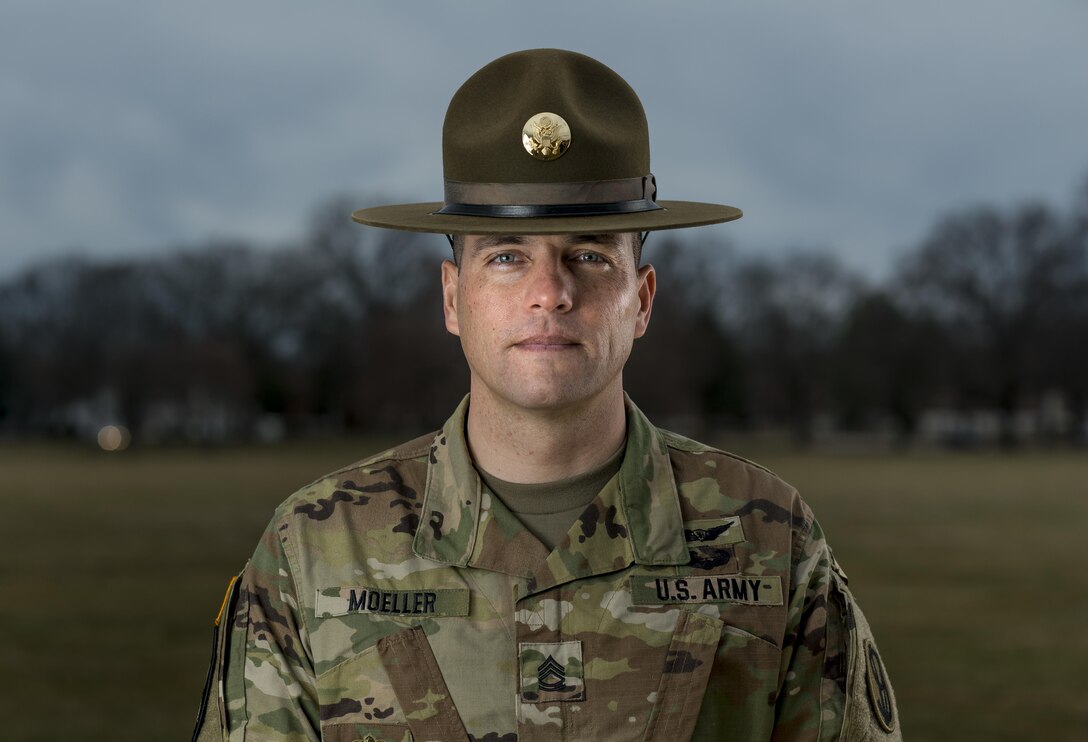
[{"x": 550, "y": 287}]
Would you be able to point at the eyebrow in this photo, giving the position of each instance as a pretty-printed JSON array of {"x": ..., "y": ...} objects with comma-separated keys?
[
  {"x": 497, "y": 240},
  {"x": 607, "y": 240}
]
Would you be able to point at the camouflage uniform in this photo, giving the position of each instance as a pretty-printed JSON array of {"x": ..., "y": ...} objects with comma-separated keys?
[{"x": 397, "y": 599}]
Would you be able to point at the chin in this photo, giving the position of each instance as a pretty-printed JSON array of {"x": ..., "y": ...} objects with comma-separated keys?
[{"x": 548, "y": 397}]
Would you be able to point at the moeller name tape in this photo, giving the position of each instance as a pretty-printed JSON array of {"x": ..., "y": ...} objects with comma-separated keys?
[{"x": 341, "y": 601}]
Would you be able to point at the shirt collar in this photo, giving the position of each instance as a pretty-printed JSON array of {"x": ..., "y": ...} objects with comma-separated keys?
[{"x": 458, "y": 527}]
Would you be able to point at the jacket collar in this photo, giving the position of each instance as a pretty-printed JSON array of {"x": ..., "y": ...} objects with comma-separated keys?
[{"x": 635, "y": 519}]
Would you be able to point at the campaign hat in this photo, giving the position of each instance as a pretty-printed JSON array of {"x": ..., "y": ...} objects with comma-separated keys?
[{"x": 546, "y": 141}]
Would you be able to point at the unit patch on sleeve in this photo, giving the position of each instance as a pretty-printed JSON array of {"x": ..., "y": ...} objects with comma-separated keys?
[
  {"x": 424, "y": 603},
  {"x": 880, "y": 697},
  {"x": 746, "y": 589}
]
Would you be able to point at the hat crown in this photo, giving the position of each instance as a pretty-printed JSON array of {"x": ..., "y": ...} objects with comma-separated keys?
[
  {"x": 482, "y": 133},
  {"x": 546, "y": 141}
]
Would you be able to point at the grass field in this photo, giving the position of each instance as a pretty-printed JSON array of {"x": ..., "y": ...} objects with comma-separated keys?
[{"x": 971, "y": 568}]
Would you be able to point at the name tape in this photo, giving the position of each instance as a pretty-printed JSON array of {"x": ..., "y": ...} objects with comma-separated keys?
[
  {"x": 746, "y": 589},
  {"x": 341, "y": 601}
]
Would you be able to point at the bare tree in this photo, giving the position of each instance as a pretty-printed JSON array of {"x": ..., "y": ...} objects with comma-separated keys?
[
  {"x": 686, "y": 371},
  {"x": 995, "y": 282},
  {"x": 886, "y": 362},
  {"x": 343, "y": 330},
  {"x": 786, "y": 312}
]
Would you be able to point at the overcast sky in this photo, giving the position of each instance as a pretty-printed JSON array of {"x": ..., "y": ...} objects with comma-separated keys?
[{"x": 128, "y": 127}]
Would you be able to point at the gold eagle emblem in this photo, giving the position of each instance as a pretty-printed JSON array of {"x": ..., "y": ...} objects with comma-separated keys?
[{"x": 546, "y": 136}]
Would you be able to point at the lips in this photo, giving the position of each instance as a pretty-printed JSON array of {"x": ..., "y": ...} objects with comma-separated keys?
[{"x": 547, "y": 342}]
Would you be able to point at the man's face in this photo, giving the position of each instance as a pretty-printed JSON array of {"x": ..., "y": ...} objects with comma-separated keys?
[{"x": 547, "y": 322}]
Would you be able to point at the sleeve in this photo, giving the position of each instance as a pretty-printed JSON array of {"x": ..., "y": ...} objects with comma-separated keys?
[
  {"x": 833, "y": 685},
  {"x": 263, "y": 669},
  {"x": 210, "y": 718}
]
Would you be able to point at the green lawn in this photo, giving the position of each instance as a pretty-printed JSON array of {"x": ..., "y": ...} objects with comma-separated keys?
[{"x": 112, "y": 567}]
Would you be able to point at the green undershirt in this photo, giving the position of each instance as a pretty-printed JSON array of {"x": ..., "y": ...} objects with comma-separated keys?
[{"x": 547, "y": 510}]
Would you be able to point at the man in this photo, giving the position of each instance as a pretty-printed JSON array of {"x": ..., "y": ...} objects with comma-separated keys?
[{"x": 549, "y": 565}]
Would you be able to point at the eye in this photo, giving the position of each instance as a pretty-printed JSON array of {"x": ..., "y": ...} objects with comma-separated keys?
[
  {"x": 589, "y": 257},
  {"x": 505, "y": 258}
]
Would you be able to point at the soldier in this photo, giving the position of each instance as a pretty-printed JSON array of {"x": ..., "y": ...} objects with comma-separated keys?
[{"x": 549, "y": 565}]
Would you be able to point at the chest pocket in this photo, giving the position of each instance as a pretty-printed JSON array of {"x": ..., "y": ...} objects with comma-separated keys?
[
  {"x": 390, "y": 692},
  {"x": 684, "y": 676},
  {"x": 692, "y": 673},
  {"x": 743, "y": 687}
]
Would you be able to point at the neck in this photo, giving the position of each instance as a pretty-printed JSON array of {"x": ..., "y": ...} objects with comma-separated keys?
[{"x": 536, "y": 446}]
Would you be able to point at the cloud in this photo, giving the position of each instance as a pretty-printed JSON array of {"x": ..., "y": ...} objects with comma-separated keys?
[{"x": 130, "y": 127}]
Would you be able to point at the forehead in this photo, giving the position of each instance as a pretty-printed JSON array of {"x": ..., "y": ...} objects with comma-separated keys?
[{"x": 611, "y": 239}]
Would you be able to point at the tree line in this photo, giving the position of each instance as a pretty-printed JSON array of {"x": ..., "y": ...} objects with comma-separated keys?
[{"x": 342, "y": 332}]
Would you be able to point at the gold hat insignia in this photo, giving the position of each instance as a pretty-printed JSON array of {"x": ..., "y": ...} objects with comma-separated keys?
[{"x": 546, "y": 136}]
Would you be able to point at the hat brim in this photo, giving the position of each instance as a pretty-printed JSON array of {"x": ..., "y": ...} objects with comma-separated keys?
[{"x": 421, "y": 217}]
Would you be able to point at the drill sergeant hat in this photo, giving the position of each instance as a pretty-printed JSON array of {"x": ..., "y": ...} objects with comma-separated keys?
[{"x": 546, "y": 141}]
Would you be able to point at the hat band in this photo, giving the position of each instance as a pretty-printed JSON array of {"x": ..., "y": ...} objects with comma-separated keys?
[{"x": 578, "y": 198}]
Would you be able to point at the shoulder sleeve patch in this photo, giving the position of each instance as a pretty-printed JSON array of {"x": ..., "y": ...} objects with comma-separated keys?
[
  {"x": 880, "y": 691},
  {"x": 871, "y": 712}
]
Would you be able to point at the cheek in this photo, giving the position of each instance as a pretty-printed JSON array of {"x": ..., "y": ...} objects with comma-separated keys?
[
  {"x": 479, "y": 317},
  {"x": 626, "y": 312},
  {"x": 621, "y": 319}
]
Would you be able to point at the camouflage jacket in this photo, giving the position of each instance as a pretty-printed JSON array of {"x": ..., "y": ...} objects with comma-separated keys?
[{"x": 397, "y": 599}]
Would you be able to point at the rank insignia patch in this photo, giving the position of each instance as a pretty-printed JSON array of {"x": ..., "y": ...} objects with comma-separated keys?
[
  {"x": 551, "y": 671},
  {"x": 880, "y": 697},
  {"x": 551, "y": 676}
]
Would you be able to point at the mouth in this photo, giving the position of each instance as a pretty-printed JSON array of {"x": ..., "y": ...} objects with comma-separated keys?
[{"x": 547, "y": 343}]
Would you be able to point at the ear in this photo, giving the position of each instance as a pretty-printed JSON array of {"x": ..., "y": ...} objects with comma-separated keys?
[
  {"x": 449, "y": 296},
  {"x": 647, "y": 287}
]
